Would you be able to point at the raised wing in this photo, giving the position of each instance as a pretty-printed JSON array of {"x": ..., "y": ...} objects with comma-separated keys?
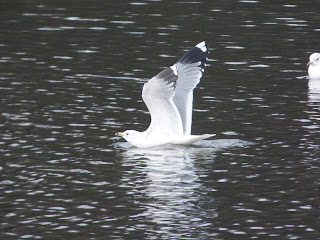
[
  {"x": 189, "y": 69},
  {"x": 157, "y": 94}
]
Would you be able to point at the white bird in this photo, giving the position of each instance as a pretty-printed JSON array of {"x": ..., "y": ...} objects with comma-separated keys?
[
  {"x": 169, "y": 97},
  {"x": 314, "y": 66}
]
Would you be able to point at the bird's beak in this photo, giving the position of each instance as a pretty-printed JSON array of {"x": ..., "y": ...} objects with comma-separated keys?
[
  {"x": 309, "y": 63},
  {"x": 119, "y": 134}
]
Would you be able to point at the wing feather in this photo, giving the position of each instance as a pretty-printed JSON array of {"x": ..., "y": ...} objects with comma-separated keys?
[
  {"x": 157, "y": 94},
  {"x": 169, "y": 95},
  {"x": 189, "y": 69}
]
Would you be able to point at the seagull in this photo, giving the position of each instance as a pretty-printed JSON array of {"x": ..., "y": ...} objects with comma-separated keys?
[
  {"x": 314, "y": 66},
  {"x": 168, "y": 97}
]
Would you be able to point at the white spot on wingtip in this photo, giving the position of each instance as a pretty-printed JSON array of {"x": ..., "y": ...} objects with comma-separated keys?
[
  {"x": 202, "y": 46},
  {"x": 174, "y": 69}
]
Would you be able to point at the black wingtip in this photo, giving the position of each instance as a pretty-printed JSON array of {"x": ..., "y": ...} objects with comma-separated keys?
[{"x": 197, "y": 54}]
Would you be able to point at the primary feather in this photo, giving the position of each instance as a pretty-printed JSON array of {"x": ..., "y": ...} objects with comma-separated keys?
[{"x": 189, "y": 69}]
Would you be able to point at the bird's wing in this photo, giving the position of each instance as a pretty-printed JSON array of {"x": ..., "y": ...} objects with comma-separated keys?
[
  {"x": 189, "y": 69},
  {"x": 157, "y": 94}
]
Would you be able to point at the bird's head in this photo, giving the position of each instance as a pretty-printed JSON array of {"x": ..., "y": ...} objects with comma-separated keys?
[
  {"x": 314, "y": 59},
  {"x": 129, "y": 135}
]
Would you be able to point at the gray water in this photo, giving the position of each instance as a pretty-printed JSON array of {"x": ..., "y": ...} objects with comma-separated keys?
[{"x": 71, "y": 74}]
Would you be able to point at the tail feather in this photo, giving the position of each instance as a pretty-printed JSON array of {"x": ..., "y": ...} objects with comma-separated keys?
[{"x": 189, "y": 139}]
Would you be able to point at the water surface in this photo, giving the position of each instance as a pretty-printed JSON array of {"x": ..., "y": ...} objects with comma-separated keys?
[{"x": 71, "y": 76}]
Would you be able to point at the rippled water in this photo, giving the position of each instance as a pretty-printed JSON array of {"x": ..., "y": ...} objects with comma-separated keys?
[{"x": 71, "y": 76}]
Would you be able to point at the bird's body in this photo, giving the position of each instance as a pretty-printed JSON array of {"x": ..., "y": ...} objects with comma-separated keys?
[
  {"x": 314, "y": 66},
  {"x": 146, "y": 140},
  {"x": 169, "y": 97}
]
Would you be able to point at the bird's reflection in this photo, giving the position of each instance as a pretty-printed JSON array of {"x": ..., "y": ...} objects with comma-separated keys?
[
  {"x": 314, "y": 90},
  {"x": 172, "y": 183},
  {"x": 314, "y": 115},
  {"x": 314, "y": 101}
]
